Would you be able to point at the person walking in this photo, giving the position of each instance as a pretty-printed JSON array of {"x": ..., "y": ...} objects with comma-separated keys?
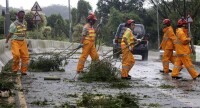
[
  {"x": 88, "y": 42},
  {"x": 167, "y": 46},
  {"x": 17, "y": 33},
  {"x": 127, "y": 46},
  {"x": 183, "y": 52}
]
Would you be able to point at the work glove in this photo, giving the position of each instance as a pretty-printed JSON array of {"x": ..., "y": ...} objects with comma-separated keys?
[
  {"x": 80, "y": 46},
  {"x": 130, "y": 48},
  {"x": 6, "y": 45},
  {"x": 139, "y": 40}
]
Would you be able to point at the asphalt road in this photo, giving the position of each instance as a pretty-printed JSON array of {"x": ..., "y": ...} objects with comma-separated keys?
[{"x": 147, "y": 83}]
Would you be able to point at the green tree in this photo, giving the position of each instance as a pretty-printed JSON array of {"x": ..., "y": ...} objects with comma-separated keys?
[
  {"x": 77, "y": 33},
  {"x": 28, "y": 18},
  {"x": 74, "y": 15},
  {"x": 83, "y": 9},
  {"x": 174, "y": 10},
  {"x": 104, "y": 6},
  {"x": 53, "y": 21},
  {"x": 115, "y": 18}
]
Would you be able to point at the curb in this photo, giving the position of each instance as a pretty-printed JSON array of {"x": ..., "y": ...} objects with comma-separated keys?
[{"x": 20, "y": 98}]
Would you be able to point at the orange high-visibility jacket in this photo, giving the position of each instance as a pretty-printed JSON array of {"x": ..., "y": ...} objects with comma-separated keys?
[
  {"x": 168, "y": 37},
  {"x": 182, "y": 42}
]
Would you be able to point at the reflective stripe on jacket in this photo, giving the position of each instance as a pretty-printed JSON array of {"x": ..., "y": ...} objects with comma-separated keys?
[
  {"x": 21, "y": 29},
  {"x": 90, "y": 34}
]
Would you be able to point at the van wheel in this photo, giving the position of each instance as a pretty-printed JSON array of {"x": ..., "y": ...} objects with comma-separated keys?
[{"x": 145, "y": 56}]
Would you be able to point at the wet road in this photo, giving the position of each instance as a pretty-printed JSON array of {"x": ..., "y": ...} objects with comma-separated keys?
[{"x": 147, "y": 82}]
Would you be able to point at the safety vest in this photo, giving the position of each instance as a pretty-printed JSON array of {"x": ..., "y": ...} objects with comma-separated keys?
[
  {"x": 129, "y": 36},
  {"x": 21, "y": 29},
  {"x": 90, "y": 34}
]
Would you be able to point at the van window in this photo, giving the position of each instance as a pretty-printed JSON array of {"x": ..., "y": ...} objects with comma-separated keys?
[{"x": 138, "y": 30}]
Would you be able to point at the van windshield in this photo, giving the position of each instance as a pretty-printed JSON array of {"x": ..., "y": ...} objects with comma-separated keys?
[{"x": 138, "y": 30}]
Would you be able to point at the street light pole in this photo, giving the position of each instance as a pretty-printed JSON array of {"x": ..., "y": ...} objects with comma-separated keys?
[
  {"x": 70, "y": 22},
  {"x": 7, "y": 19},
  {"x": 158, "y": 25}
]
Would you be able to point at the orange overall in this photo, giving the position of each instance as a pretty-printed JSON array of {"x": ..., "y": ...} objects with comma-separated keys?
[
  {"x": 183, "y": 52},
  {"x": 88, "y": 48},
  {"x": 19, "y": 47},
  {"x": 168, "y": 47},
  {"x": 128, "y": 60}
]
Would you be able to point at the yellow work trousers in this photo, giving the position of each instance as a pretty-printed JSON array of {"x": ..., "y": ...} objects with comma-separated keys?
[
  {"x": 167, "y": 58},
  {"x": 187, "y": 62},
  {"x": 128, "y": 62},
  {"x": 88, "y": 49},
  {"x": 19, "y": 51}
]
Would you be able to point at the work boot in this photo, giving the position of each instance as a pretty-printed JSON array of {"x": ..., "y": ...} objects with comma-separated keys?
[
  {"x": 129, "y": 76},
  {"x": 162, "y": 71},
  {"x": 24, "y": 74},
  {"x": 126, "y": 78},
  {"x": 176, "y": 77},
  {"x": 198, "y": 77}
]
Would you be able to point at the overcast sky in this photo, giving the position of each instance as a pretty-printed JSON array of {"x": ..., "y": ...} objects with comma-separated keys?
[{"x": 28, "y": 4}]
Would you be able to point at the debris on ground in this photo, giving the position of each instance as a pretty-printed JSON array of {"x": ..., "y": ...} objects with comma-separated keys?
[
  {"x": 47, "y": 62},
  {"x": 102, "y": 71},
  {"x": 121, "y": 100},
  {"x": 7, "y": 85}
]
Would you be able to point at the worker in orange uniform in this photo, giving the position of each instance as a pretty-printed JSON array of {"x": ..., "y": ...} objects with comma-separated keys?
[
  {"x": 17, "y": 33},
  {"x": 183, "y": 52},
  {"x": 167, "y": 46},
  {"x": 87, "y": 43},
  {"x": 127, "y": 46}
]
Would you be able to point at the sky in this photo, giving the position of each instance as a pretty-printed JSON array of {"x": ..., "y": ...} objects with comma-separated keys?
[{"x": 28, "y": 4}]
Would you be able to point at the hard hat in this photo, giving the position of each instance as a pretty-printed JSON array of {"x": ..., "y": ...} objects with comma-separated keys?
[
  {"x": 130, "y": 21},
  {"x": 91, "y": 16},
  {"x": 182, "y": 22},
  {"x": 166, "y": 22}
]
